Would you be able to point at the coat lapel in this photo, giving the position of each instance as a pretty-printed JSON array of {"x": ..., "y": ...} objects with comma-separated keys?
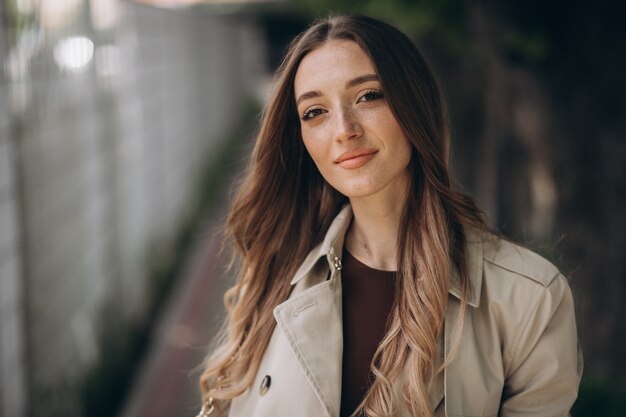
[
  {"x": 311, "y": 322},
  {"x": 312, "y": 319}
]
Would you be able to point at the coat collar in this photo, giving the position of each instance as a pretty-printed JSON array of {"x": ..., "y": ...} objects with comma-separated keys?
[{"x": 331, "y": 248}]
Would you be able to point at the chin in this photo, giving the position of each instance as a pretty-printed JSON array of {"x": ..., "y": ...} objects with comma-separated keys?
[{"x": 357, "y": 191}]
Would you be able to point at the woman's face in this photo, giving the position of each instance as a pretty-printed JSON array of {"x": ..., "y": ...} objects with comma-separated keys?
[{"x": 347, "y": 125}]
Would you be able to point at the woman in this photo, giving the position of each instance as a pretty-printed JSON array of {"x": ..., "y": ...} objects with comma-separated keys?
[{"x": 368, "y": 286}]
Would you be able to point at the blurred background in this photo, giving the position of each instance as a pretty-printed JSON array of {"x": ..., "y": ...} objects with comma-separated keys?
[{"x": 122, "y": 124}]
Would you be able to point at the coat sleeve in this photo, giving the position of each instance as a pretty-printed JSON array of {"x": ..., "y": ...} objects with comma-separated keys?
[{"x": 545, "y": 366}]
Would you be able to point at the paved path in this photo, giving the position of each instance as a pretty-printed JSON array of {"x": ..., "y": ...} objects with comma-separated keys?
[{"x": 167, "y": 384}]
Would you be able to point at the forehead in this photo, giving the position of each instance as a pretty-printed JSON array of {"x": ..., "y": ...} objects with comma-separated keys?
[{"x": 335, "y": 62}]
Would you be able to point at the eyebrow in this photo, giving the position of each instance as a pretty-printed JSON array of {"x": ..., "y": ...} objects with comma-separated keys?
[{"x": 351, "y": 83}]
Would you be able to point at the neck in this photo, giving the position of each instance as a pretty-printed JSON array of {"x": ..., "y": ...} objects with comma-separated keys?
[{"x": 373, "y": 234}]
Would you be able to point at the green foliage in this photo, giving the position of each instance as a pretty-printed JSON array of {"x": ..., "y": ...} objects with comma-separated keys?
[
  {"x": 444, "y": 20},
  {"x": 16, "y": 21},
  {"x": 598, "y": 397},
  {"x": 525, "y": 47},
  {"x": 106, "y": 386}
]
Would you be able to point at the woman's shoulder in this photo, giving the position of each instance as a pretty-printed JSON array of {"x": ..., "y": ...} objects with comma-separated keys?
[
  {"x": 522, "y": 294},
  {"x": 504, "y": 259},
  {"x": 526, "y": 312},
  {"x": 516, "y": 279}
]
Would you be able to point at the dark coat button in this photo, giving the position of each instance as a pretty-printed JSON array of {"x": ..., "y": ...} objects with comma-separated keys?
[{"x": 265, "y": 385}]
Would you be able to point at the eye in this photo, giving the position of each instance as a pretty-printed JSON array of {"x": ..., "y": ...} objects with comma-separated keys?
[
  {"x": 311, "y": 113},
  {"x": 370, "y": 95}
]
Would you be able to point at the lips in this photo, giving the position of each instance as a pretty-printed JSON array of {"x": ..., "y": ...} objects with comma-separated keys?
[{"x": 355, "y": 158}]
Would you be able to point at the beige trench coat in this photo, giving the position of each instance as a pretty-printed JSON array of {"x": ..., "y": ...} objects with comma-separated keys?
[{"x": 518, "y": 355}]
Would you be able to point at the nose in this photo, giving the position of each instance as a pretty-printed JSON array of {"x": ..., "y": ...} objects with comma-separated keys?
[{"x": 348, "y": 125}]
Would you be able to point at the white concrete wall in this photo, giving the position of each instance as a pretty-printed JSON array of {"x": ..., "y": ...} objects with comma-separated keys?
[{"x": 97, "y": 172}]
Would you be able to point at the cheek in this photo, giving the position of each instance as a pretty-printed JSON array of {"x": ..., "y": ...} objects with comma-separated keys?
[
  {"x": 310, "y": 149},
  {"x": 404, "y": 148},
  {"x": 315, "y": 147},
  {"x": 408, "y": 151}
]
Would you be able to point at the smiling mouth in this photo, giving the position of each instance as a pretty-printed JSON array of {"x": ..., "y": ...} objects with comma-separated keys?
[{"x": 356, "y": 158}]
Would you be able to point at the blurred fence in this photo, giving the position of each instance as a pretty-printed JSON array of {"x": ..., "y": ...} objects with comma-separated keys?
[{"x": 109, "y": 111}]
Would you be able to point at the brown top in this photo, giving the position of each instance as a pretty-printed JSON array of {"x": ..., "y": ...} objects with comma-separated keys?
[{"x": 367, "y": 296}]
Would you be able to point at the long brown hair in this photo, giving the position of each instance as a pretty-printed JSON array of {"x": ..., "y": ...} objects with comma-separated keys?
[{"x": 284, "y": 207}]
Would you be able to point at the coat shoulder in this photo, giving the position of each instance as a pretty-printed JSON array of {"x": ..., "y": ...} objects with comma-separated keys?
[
  {"x": 520, "y": 340},
  {"x": 510, "y": 258}
]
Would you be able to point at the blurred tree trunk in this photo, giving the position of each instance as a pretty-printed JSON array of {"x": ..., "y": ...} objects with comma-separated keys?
[{"x": 530, "y": 145}]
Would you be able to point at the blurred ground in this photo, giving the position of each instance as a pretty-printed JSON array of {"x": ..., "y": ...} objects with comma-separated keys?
[{"x": 167, "y": 381}]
